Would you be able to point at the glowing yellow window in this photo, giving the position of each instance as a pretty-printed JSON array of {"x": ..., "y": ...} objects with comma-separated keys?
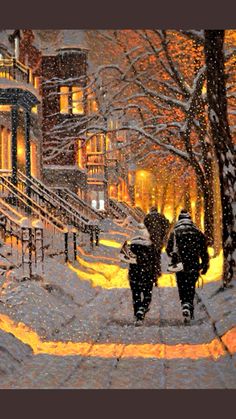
[
  {"x": 36, "y": 82},
  {"x": 77, "y": 100},
  {"x": 5, "y": 148},
  {"x": 64, "y": 99},
  {"x": 80, "y": 154}
]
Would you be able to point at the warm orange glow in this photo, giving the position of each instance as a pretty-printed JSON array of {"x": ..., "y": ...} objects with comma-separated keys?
[
  {"x": 91, "y": 103},
  {"x": 64, "y": 99},
  {"x": 36, "y": 82},
  {"x": 143, "y": 185},
  {"x": 20, "y": 152},
  {"x": 110, "y": 276},
  {"x": 213, "y": 349},
  {"x": 204, "y": 88},
  {"x": 142, "y": 173},
  {"x": 34, "y": 109},
  {"x": 110, "y": 243},
  {"x": 33, "y": 151},
  {"x": 5, "y": 75},
  {"x": 77, "y": 100},
  {"x": 5, "y": 108},
  {"x": 97, "y": 257},
  {"x": 229, "y": 339},
  {"x": 102, "y": 274},
  {"x": 80, "y": 154},
  {"x": 5, "y": 149}
]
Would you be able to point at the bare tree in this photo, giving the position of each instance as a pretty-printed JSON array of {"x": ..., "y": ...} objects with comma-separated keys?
[{"x": 155, "y": 97}]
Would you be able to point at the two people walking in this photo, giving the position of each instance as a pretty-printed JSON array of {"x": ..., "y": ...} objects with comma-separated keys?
[{"x": 186, "y": 243}]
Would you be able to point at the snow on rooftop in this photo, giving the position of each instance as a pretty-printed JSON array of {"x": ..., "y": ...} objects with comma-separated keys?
[{"x": 50, "y": 41}]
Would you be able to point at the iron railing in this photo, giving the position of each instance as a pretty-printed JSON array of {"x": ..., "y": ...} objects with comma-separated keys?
[{"x": 12, "y": 69}]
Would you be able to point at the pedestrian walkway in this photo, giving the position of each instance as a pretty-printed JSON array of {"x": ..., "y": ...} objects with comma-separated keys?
[{"x": 69, "y": 334}]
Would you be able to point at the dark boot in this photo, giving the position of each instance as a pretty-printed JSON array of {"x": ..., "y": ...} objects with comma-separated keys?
[
  {"x": 140, "y": 313},
  {"x": 186, "y": 312}
]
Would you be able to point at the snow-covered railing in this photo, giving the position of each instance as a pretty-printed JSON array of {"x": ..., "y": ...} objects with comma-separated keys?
[
  {"x": 57, "y": 232},
  {"x": 79, "y": 204},
  {"x": 139, "y": 212},
  {"x": 131, "y": 211},
  {"x": 53, "y": 202},
  {"x": 28, "y": 239},
  {"x": 116, "y": 209}
]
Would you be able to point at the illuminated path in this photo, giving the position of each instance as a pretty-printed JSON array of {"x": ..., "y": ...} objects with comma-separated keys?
[
  {"x": 213, "y": 349},
  {"x": 107, "y": 272},
  {"x": 90, "y": 341}
]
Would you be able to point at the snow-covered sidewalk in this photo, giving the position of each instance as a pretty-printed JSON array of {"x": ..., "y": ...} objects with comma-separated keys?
[{"x": 83, "y": 335}]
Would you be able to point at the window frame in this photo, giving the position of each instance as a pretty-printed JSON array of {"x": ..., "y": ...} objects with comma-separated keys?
[{"x": 72, "y": 104}]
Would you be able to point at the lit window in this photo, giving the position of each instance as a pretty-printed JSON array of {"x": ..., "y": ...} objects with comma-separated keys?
[
  {"x": 5, "y": 108},
  {"x": 94, "y": 204},
  {"x": 77, "y": 100},
  {"x": 31, "y": 76},
  {"x": 36, "y": 82},
  {"x": 95, "y": 143},
  {"x": 71, "y": 100},
  {"x": 80, "y": 154},
  {"x": 91, "y": 102},
  {"x": 64, "y": 99},
  {"x": 101, "y": 204},
  {"x": 5, "y": 148}
]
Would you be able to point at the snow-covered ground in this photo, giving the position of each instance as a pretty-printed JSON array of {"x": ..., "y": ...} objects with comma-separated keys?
[{"x": 74, "y": 328}]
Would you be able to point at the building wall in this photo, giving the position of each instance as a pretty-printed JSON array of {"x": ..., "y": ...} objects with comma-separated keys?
[{"x": 67, "y": 67}]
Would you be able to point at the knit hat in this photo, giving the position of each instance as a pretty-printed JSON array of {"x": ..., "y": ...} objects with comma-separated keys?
[{"x": 184, "y": 214}]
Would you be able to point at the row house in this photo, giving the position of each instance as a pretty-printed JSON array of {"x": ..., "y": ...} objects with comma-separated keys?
[
  {"x": 20, "y": 133},
  {"x": 43, "y": 108}
]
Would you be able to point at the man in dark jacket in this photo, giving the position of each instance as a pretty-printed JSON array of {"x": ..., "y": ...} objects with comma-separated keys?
[
  {"x": 191, "y": 247},
  {"x": 142, "y": 273},
  {"x": 158, "y": 227}
]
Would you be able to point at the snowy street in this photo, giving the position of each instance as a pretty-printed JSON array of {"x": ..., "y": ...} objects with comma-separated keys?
[{"x": 83, "y": 336}]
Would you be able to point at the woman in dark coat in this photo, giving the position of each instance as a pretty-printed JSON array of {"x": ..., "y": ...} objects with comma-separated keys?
[
  {"x": 142, "y": 272},
  {"x": 158, "y": 227}
]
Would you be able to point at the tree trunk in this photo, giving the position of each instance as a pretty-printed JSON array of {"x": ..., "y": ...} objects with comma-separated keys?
[
  {"x": 223, "y": 145},
  {"x": 198, "y": 205},
  {"x": 207, "y": 183},
  {"x": 208, "y": 213},
  {"x": 217, "y": 209}
]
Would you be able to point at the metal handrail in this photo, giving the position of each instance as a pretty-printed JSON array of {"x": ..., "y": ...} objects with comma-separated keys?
[
  {"x": 9, "y": 208},
  {"x": 29, "y": 203},
  {"x": 130, "y": 211},
  {"x": 74, "y": 217},
  {"x": 77, "y": 200},
  {"x": 47, "y": 218},
  {"x": 115, "y": 207}
]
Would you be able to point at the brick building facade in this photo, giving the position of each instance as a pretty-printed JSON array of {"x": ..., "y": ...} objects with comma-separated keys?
[{"x": 57, "y": 153}]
